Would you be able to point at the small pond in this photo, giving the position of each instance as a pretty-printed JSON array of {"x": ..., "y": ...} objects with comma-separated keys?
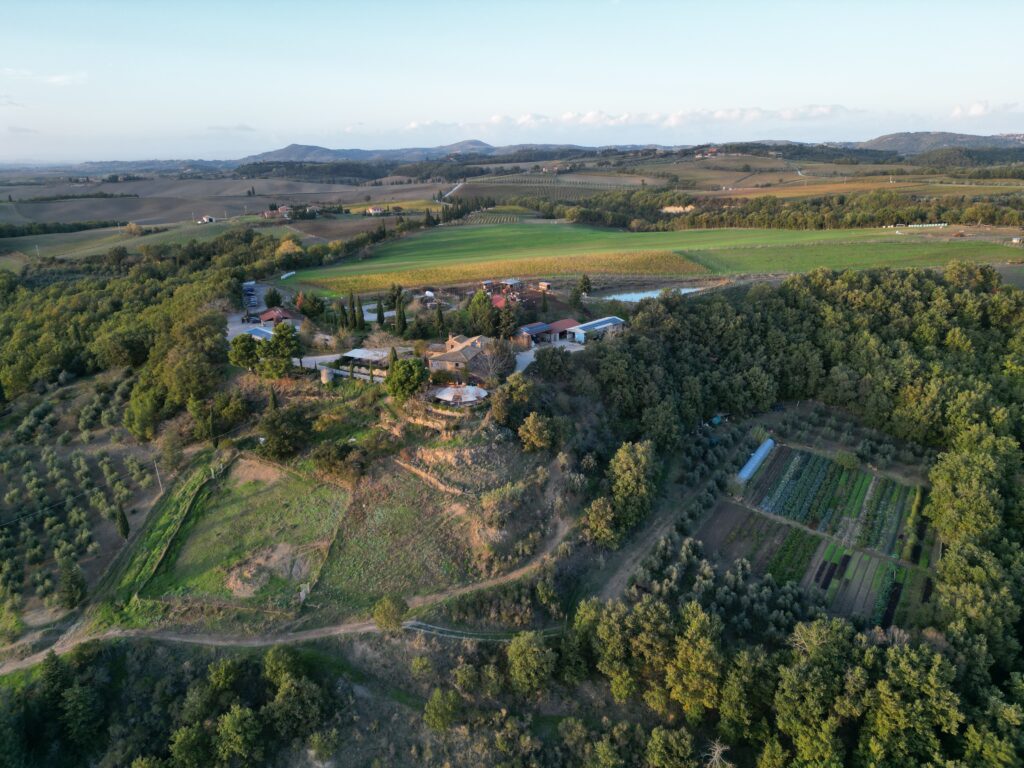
[{"x": 634, "y": 296}]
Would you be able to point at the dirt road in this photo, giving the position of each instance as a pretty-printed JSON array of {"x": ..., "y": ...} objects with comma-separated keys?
[{"x": 76, "y": 635}]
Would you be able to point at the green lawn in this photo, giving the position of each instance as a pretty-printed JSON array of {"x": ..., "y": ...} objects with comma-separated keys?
[
  {"x": 273, "y": 524},
  {"x": 528, "y": 248}
]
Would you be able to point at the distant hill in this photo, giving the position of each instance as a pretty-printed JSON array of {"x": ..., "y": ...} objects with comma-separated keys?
[
  {"x": 304, "y": 153},
  {"x": 915, "y": 143}
]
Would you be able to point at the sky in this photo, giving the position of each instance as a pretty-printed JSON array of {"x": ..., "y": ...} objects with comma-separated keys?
[{"x": 104, "y": 79}]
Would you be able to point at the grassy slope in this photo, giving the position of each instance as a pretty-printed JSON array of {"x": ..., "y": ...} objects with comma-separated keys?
[
  {"x": 399, "y": 537},
  {"x": 238, "y": 521}
]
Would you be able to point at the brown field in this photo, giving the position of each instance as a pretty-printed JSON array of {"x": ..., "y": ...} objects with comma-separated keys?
[
  {"x": 732, "y": 532},
  {"x": 170, "y": 200},
  {"x": 326, "y": 229}
]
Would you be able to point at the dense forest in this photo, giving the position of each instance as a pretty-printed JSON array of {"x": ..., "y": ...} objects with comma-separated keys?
[
  {"x": 51, "y": 227},
  {"x": 695, "y": 665},
  {"x": 643, "y": 210}
]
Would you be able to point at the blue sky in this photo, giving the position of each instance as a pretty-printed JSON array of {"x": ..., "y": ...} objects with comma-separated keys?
[{"x": 128, "y": 80}]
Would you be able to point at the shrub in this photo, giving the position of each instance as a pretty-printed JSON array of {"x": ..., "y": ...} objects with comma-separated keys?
[{"x": 389, "y": 612}]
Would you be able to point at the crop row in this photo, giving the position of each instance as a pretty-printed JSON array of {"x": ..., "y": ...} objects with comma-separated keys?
[
  {"x": 790, "y": 561},
  {"x": 883, "y": 513}
]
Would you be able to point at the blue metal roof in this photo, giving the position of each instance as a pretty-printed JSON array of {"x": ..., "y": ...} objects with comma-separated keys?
[
  {"x": 599, "y": 324},
  {"x": 260, "y": 333},
  {"x": 532, "y": 328}
]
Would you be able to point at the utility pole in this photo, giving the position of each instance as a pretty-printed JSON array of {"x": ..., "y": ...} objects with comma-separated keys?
[{"x": 158, "y": 480}]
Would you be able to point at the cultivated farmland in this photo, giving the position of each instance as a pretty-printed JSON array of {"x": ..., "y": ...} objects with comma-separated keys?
[
  {"x": 535, "y": 248},
  {"x": 855, "y": 535}
]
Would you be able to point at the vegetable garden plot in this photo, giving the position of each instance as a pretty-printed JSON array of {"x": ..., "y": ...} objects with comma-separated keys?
[{"x": 849, "y": 503}]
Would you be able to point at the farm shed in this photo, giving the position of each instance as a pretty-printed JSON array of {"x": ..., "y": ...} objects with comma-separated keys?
[
  {"x": 559, "y": 330},
  {"x": 528, "y": 334},
  {"x": 595, "y": 329},
  {"x": 276, "y": 315},
  {"x": 377, "y": 357},
  {"x": 756, "y": 460}
]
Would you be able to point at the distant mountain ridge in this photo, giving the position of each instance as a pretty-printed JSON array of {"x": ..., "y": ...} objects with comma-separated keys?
[
  {"x": 907, "y": 143},
  {"x": 918, "y": 142},
  {"x": 305, "y": 153}
]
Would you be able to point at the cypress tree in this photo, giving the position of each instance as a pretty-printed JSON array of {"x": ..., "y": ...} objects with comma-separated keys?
[
  {"x": 71, "y": 591},
  {"x": 439, "y": 319},
  {"x": 352, "y": 322},
  {"x": 123, "y": 529},
  {"x": 380, "y": 312},
  {"x": 360, "y": 317},
  {"x": 400, "y": 322}
]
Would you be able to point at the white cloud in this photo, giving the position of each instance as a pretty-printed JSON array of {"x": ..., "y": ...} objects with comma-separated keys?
[
  {"x": 978, "y": 109},
  {"x": 595, "y": 119},
  {"x": 59, "y": 79},
  {"x": 7, "y": 101},
  {"x": 20, "y": 129}
]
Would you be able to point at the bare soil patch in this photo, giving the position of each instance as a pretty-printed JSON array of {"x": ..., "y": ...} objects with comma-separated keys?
[
  {"x": 283, "y": 560},
  {"x": 248, "y": 469}
]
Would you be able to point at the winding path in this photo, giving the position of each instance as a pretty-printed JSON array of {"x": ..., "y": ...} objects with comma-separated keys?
[{"x": 76, "y": 636}]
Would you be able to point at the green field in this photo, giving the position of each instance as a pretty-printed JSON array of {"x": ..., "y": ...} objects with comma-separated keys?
[
  {"x": 259, "y": 533},
  {"x": 460, "y": 254}
]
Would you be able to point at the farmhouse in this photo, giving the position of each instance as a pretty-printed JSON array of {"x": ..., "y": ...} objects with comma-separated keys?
[
  {"x": 457, "y": 355},
  {"x": 374, "y": 210},
  {"x": 595, "y": 329},
  {"x": 1017, "y": 240}
]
